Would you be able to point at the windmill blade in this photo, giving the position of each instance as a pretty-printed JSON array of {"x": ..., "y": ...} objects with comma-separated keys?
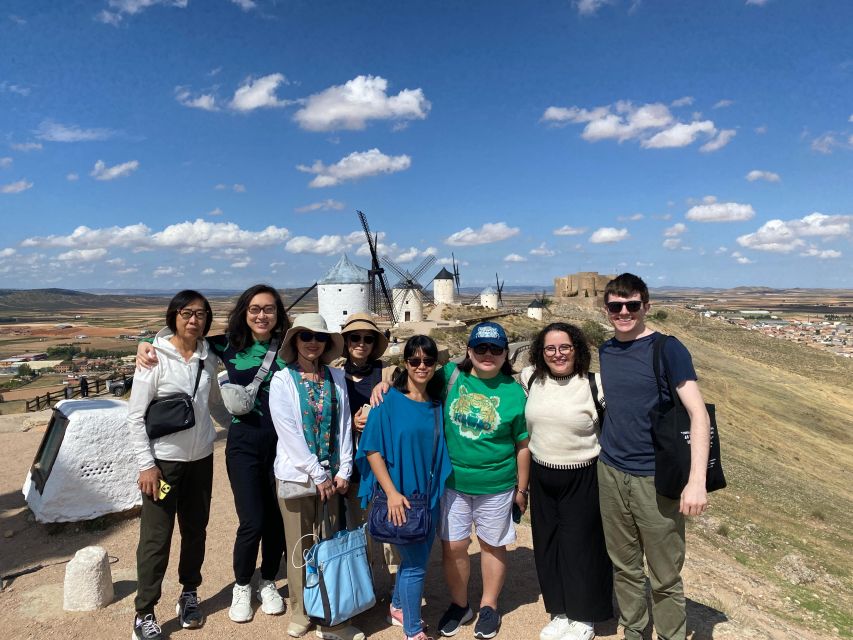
[
  {"x": 302, "y": 295},
  {"x": 405, "y": 276},
  {"x": 455, "y": 272},
  {"x": 383, "y": 282},
  {"x": 425, "y": 264}
]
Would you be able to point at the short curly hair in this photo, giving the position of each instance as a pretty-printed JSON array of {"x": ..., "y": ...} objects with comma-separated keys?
[{"x": 582, "y": 353}]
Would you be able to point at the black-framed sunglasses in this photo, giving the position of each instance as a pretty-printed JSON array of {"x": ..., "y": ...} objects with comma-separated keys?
[
  {"x": 414, "y": 363},
  {"x": 633, "y": 306},
  {"x": 186, "y": 314},
  {"x": 482, "y": 349},
  {"x": 354, "y": 338},
  {"x": 308, "y": 336},
  {"x": 255, "y": 310},
  {"x": 564, "y": 349}
]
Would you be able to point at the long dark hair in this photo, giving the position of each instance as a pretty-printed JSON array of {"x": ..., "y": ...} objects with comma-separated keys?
[
  {"x": 429, "y": 349},
  {"x": 181, "y": 300},
  {"x": 238, "y": 332},
  {"x": 537, "y": 350}
]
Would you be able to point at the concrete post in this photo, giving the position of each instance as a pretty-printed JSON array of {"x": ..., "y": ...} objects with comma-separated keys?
[{"x": 88, "y": 581}]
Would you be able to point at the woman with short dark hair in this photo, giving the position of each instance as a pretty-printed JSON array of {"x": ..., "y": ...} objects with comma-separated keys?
[
  {"x": 575, "y": 574},
  {"x": 176, "y": 470}
]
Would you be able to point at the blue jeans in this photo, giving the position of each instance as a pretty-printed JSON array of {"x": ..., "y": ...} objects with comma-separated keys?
[{"x": 409, "y": 586}]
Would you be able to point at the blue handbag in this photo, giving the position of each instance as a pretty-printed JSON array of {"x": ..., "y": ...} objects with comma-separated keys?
[
  {"x": 418, "y": 522},
  {"x": 338, "y": 580}
]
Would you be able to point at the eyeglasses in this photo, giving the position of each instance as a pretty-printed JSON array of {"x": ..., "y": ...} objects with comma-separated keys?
[
  {"x": 414, "y": 363},
  {"x": 355, "y": 338},
  {"x": 564, "y": 349},
  {"x": 633, "y": 306},
  {"x": 494, "y": 349},
  {"x": 308, "y": 336},
  {"x": 186, "y": 314},
  {"x": 255, "y": 310}
]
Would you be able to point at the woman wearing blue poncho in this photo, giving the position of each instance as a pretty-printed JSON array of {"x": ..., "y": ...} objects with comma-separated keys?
[{"x": 399, "y": 450}]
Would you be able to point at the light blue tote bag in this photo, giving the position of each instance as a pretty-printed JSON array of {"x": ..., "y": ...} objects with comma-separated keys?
[{"x": 338, "y": 580}]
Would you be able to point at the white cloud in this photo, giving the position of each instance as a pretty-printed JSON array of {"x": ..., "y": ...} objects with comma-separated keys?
[
  {"x": 827, "y": 142},
  {"x": 566, "y": 230},
  {"x": 82, "y": 255},
  {"x": 761, "y": 130},
  {"x": 722, "y": 104},
  {"x": 16, "y": 187},
  {"x": 645, "y": 264},
  {"x": 5, "y": 163},
  {"x": 325, "y": 245},
  {"x": 209, "y": 271},
  {"x": 353, "y": 104},
  {"x": 7, "y": 252},
  {"x": 672, "y": 244},
  {"x": 102, "y": 172},
  {"x": 245, "y": 5},
  {"x": 118, "y": 9},
  {"x": 607, "y": 235},
  {"x": 720, "y": 212},
  {"x": 785, "y": 236},
  {"x": 740, "y": 258},
  {"x": 57, "y": 132},
  {"x": 326, "y": 205},
  {"x": 514, "y": 257},
  {"x": 679, "y": 135},
  {"x": 721, "y": 250},
  {"x": 215, "y": 212},
  {"x": 17, "y": 89},
  {"x": 237, "y": 188},
  {"x": 241, "y": 264},
  {"x": 259, "y": 93},
  {"x": 682, "y": 102},
  {"x": 83, "y": 236},
  {"x": 675, "y": 230},
  {"x": 769, "y": 176},
  {"x": 632, "y": 218},
  {"x": 723, "y": 138},
  {"x": 590, "y": 7},
  {"x": 757, "y": 3},
  {"x": 72, "y": 177},
  {"x": 543, "y": 250},
  {"x": 826, "y": 254},
  {"x": 161, "y": 272},
  {"x": 357, "y": 165},
  {"x": 204, "y": 101},
  {"x": 27, "y": 146},
  {"x": 488, "y": 233},
  {"x": 652, "y": 124}
]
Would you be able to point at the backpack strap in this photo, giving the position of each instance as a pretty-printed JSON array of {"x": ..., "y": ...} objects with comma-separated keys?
[
  {"x": 198, "y": 376},
  {"x": 658, "y": 357},
  {"x": 599, "y": 409},
  {"x": 451, "y": 381}
]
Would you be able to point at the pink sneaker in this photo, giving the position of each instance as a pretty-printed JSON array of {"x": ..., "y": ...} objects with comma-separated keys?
[
  {"x": 395, "y": 618},
  {"x": 421, "y": 636}
]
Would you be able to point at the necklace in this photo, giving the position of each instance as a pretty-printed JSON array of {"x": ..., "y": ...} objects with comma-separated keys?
[{"x": 561, "y": 378}]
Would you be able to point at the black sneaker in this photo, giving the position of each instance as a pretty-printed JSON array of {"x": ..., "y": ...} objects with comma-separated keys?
[
  {"x": 453, "y": 618},
  {"x": 146, "y": 628},
  {"x": 187, "y": 610},
  {"x": 488, "y": 623}
]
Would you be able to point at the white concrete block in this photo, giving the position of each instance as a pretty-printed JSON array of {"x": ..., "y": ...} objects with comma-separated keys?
[{"x": 88, "y": 581}]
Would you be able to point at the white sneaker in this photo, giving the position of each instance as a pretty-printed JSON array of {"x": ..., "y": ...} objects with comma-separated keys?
[
  {"x": 580, "y": 631},
  {"x": 241, "y": 603},
  {"x": 556, "y": 629},
  {"x": 271, "y": 601}
]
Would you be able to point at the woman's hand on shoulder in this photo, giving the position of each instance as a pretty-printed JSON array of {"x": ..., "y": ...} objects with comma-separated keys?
[
  {"x": 377, "y": 396},
  {"x": 146, "y": 355}
]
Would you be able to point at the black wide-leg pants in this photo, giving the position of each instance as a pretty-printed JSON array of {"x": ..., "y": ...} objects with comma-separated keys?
[{"x": 575, "y": 574}]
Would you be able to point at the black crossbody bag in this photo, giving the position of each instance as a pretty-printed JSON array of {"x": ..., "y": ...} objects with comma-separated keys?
[
  {"x": 172, "y": 413},
  {"x": 671, "y": 436}
]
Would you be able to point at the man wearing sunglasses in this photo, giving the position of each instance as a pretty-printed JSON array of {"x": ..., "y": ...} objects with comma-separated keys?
[{"x": 637, "y": 521}]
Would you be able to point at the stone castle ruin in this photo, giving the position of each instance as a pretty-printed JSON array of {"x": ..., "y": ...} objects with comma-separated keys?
[{"x": 582, "y": 287}]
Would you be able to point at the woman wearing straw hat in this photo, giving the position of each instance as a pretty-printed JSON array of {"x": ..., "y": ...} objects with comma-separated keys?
[
  {"x": 364, "y": 345},
  {"x": 310, "y": 410}
]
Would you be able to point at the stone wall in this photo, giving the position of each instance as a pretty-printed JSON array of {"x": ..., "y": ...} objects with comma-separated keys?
[{"x": 584, "y": 284}]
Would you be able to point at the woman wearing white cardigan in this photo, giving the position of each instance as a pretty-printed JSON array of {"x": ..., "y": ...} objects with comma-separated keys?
[{"x": 310, "y": 411}]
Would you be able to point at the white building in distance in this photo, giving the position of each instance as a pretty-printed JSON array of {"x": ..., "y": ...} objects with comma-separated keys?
[
  {"x": 408, "y": 304},
  {"x": 343, "y": 291},
  {"x": 489, "y": 298},
  {"x": 535, "y": 310},
  {"x": 443, "y": 289}
]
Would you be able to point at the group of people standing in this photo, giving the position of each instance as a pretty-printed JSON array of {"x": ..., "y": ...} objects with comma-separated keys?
[{"x": 320, "y": 441}]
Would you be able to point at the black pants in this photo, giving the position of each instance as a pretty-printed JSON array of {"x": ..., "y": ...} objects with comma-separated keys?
[
  {"x": 574, "y": 570},
  {"x": 189, "y": 499},
  {"x": 249, "y": 457}
]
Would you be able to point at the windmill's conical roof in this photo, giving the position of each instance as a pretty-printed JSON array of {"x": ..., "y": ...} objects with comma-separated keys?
[
  {"x": 536, "y": 304},
  {"x": 345, "y": 272},
  {"x": 444, "y": 274},
  {"x": 488, "y": 291}
]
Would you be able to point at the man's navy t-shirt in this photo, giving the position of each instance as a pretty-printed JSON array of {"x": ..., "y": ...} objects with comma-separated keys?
[{"x": 631, "y": 392}]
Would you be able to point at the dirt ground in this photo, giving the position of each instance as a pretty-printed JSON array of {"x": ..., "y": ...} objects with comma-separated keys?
[{"x": 31, "y": 604}]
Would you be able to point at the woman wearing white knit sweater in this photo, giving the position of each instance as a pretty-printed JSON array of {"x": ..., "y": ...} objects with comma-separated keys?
[{"x": 575, "y": 573}]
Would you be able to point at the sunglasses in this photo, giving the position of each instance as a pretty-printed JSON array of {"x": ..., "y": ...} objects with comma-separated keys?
[
  {"x": 308, "y": 336},
  {"x": 481, "y": 349},
  {"x": 414, "y": 363},
  {"x": 354, "y": 338},
  {"x": 633, "y": 306}
]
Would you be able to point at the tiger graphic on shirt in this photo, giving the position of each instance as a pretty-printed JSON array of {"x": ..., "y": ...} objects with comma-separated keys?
[{"x": 474, "y": 414}]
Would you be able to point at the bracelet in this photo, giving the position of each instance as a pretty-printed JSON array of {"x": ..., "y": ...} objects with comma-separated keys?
[{"x": 524, "y": 492}]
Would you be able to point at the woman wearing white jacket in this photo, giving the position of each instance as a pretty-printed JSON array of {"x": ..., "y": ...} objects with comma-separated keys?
[
  {"x": 310, "y": 410},
  {"x": 176, "y": 470}
]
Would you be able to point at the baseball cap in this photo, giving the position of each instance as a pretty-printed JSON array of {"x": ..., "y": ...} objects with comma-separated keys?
[{"x": 488, "y": 333}]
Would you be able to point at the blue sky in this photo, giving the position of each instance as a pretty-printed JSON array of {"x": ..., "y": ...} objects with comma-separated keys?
[{"x": 218, "y": 143}]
